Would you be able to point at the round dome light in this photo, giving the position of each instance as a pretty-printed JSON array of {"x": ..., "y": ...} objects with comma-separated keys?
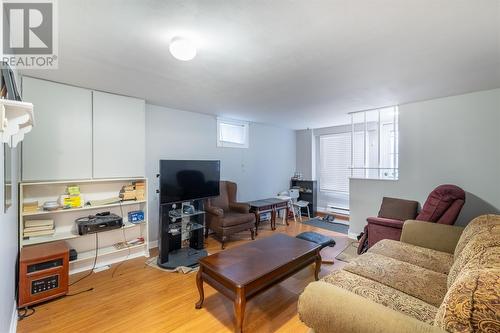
[{"x": 182, "y": 48}]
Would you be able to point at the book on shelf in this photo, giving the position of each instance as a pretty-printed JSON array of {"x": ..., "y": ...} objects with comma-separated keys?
[
  {"x": 38, "y": 223},
  {"x": 104, "y": 202},
  {"x": 40, "y": 228},
  {"x": 38, "y": 233},
  {"x": 73, "y": 190},
  {"x": 30, "y": 206}
]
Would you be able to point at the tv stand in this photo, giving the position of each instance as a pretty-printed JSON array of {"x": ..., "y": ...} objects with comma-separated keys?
[{"x": 181, "y": 236}]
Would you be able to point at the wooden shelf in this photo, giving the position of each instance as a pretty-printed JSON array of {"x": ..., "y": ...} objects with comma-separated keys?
[
  {"x": 82, "y": 256},
  {"x": 66, "y": 233},
  {"x": 43, "y": 212},
  {"x": 83, "y": 181},
  {"x": 65, "y": 228}
]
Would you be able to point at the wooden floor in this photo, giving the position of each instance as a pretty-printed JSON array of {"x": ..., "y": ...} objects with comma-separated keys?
[{"x": 133, "y": 297}]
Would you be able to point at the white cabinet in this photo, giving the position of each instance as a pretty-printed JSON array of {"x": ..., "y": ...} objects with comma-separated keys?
[
  {"x": 60, "y": 144},
  {"x": 82, "y": 134},
  {"x": 118, "y": 136}
]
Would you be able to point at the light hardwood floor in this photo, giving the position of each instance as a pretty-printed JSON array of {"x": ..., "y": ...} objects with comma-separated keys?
[{"x": 133, "y": 297}]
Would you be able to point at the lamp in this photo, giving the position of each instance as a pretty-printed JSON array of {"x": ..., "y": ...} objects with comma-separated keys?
[{"x": 182, "y": 48}]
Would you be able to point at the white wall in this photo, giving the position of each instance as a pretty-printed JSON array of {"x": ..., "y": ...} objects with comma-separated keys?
[
  {"x": 452, "y": 140},
  {"x": 262, "y": 170},
  {"x": 8, "y": 245},
  {"x": 305, "y": 154}
]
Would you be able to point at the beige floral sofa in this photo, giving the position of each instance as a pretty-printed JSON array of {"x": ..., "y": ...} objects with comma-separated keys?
[{"x": 438, "y": 278}]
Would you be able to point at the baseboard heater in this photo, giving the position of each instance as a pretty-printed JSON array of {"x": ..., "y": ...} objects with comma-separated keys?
[{"x": 339, "y": 210}]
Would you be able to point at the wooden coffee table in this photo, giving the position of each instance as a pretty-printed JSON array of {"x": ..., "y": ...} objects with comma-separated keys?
[{"x": 245, "y": 271}]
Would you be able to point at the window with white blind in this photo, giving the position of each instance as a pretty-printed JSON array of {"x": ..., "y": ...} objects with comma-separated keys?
[
  {"x": 374, "y": 148},
  {"x": 232, "y": 133},
  {"x": 335, "y": 162}
]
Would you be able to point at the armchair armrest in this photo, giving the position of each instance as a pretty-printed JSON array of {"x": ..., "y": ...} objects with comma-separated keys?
[
  {"x": 439, "y": 237},
  {"x": 329, "y": 309},
  {"x": 392, "y": 223},
  {"x": 215, "y": 211},
  {"x": 239, "y": 207}
]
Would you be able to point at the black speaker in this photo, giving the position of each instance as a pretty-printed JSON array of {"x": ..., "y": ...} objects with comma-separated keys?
[
  {"x": 196, "y": 240},
  {"x": 174, "y": 241},
  {"x": 163, "y": 239}
]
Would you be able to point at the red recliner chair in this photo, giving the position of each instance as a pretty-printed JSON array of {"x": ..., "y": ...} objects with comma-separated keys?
[{"x": 443, "y": 205}]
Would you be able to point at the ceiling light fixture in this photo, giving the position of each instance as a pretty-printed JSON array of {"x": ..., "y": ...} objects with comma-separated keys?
[{"x": 182, "y": 48}]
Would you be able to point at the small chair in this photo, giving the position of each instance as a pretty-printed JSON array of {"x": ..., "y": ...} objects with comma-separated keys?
[
  {"x": 285, "y": 195},
  {"x": 299, "y": 204}
]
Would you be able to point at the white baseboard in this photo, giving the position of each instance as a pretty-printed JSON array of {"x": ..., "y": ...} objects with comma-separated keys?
[
  {"x": 13, "y": 320},
  {"x": 153, "y": 244}
]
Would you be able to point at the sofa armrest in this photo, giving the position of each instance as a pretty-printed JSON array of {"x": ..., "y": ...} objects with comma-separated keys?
[
  {"x": 219, "y": 212},
  {"x": 439, "y": 237},
  {"x": 239, "y": 207},
  {"x": 329, "y": 309}
]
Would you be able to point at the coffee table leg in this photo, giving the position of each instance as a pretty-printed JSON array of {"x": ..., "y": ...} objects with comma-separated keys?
[
  {"x": 199, "y": 284},
  {"x": 273, "y": 219},
  {"x": 239, "y": 309},
  {"x": 318, "y": 266}
]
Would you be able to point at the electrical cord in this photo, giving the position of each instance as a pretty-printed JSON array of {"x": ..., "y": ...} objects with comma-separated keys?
[
  {"x": 124, "y": 242},
  {"x": 80, "y": 292},
  {"x": 95, "y": 261},
  {"x": 25, "y": 314}
]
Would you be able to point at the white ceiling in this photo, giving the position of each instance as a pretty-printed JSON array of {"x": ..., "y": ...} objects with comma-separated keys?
[{"x": 294, "y": 63}]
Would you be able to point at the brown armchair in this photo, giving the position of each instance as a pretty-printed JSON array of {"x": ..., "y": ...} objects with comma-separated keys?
[{"x": 225, "y": 216}]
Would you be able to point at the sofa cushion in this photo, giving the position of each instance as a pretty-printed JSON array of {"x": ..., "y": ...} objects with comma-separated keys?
[
  {"x": 424, "y": 284},
  {"x": 427, "y": 258},
  {"x": 472, "y": 303},
  {"x": 486, "y": 257},
  {"x": 475, "y": 248},
  {"x": 480, "y": 224},
  {"x": 382, "y": 294}
]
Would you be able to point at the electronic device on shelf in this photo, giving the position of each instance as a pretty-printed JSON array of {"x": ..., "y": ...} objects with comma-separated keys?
[
  {"x": 187, "y": 208},
  {"x": 99, "y": 222},
  {"x": 43, "y": 273},
  {"x": 73, "y": 254}
]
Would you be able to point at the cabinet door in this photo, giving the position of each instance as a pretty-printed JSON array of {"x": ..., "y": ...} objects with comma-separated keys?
[
  {"x": 119, "y": 136},
  {"x": 60, "y": 145}
]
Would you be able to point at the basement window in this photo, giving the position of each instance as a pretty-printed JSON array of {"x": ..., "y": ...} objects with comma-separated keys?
[{"x": 232, "y": 133}]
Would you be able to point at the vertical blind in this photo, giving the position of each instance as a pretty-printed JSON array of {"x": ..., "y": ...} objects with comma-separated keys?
[{"x": 335, "y": 162}]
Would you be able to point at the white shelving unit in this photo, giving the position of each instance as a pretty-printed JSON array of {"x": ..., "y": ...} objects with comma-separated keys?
[
  {"x": 65, "y": 227},
  {"x": 16, "y": 119}
]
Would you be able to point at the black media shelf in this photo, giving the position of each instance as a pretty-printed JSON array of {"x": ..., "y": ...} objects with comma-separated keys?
[{"x": 308, "y": 192}]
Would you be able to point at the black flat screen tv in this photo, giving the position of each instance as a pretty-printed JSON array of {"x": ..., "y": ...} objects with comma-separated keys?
[{"x": 186, "y": 180}]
